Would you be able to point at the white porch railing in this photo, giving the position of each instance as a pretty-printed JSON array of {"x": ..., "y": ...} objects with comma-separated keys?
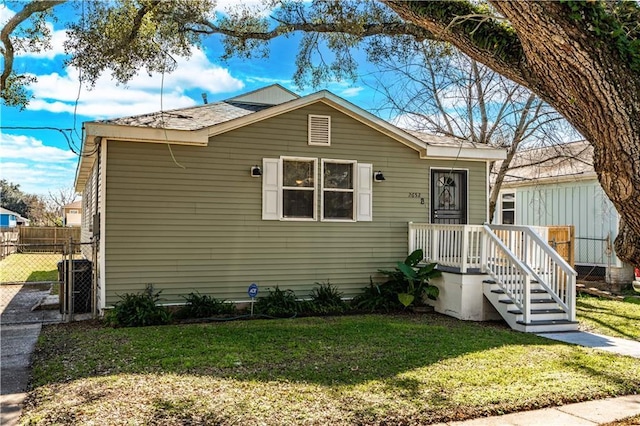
[
  {"x": 545, "y": 265},
  {"x": 458, "y": 246},
  {"x": 515, "y": 256}
]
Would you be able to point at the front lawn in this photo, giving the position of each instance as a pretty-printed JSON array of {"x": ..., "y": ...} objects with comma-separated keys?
[
  {"x": 367, "y": 369},
  {"x": 29, "y": 267},
  {"x": 609, "y": 317}
]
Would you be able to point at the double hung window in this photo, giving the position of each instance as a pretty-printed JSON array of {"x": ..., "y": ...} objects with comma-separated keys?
[
  {"x": 338, "y": 190},
  {"x": 293, "y": 187},
  {"x": 298, "y": 188}
]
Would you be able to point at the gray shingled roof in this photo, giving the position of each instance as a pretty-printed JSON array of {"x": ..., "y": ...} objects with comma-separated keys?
[
  {"x": 562, "y": 160},
  {"x": 191, "y": 118},
  {"x": 431, "y": 139}
]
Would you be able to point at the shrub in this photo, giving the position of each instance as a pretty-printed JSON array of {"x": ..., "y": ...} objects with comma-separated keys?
[
  {"x": 138, "y": 309},
  {"x": 326, "y": 299},
  {"x": 412, "y": 282},
  {"x": 279, "y": 303},
  {"x": 378, "y": 298},
  {"x": 203, "y": 306}
]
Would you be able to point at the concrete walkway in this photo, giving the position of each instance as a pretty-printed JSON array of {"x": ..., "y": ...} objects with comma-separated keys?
[
  {"x": 20, "y": 328},
  {"x": 581, "y": 414},
  {"x": 21, "y": 325},
  {"x": 597, "y": 341}
]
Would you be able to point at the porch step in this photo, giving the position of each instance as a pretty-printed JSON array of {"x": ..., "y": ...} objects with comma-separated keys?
[
  {"x": 546, "y": 314},
  {"x": 533, "y": 291},
  {"x": 546, "y": 326},
  {"x": 552, "y": 314},
  {"x": 533, "y": 301},
  {"x": 540, "y": 311}
]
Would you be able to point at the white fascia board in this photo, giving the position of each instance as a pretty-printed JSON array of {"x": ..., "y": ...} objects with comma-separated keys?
[{"x": 147, "y": 134}]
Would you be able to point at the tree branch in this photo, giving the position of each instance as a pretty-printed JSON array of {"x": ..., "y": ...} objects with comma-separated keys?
[
  {"x": 13, "y": 23},
  {"x": 491, "y": 42},
  {"x": 366, "y": 30}
]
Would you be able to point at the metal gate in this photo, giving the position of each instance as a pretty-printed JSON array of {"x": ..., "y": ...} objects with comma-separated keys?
[{"x": 66, "y": 268}]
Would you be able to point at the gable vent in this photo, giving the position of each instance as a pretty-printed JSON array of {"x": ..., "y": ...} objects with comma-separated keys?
[{"x": 319, "y": 130}]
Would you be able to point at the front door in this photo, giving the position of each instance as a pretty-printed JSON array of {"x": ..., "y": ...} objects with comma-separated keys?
[{"x": 449, "y": 197}]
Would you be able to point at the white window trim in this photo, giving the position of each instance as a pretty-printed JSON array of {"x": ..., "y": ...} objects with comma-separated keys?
[
  {"x": 309, "y": 138},
  {"x": 501, "y": 209},
  {"x": 354, "y": 177},
  {"x": 281, "y": 189}
]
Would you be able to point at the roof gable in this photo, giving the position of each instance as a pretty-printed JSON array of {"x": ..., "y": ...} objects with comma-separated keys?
[{"x": 270, "y": 95}]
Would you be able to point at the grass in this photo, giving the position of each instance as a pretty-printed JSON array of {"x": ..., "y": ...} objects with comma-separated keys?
[
  {"x": 29, "y": 267},
  {"x": 335, "y": 370},
  {"x": 609, "y": 317}
]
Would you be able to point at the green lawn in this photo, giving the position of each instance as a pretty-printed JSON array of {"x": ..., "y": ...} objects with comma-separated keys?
[
  {"x": 337, "y": 370},
  {"x": 29, "y": 267},
  {"x": 609, "y": 317}
]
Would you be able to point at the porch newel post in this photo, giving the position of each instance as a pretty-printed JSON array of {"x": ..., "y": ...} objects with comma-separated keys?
[
  {"x": 412, "y": 233},
  {"x": 571, "y": 292},
  {"x": 484, "y": 249}
]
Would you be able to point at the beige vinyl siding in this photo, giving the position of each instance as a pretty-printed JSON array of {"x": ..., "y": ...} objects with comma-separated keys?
[{"x": 200, "y": 228}]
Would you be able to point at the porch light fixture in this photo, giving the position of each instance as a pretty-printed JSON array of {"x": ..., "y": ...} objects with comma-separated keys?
[
  {"x": 378, "y": 176},
  {"x": 256, "y": 171}
]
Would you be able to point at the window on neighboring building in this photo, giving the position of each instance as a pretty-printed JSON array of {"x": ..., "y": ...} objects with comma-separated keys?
[
  {"x": 508, "y": 208},
  {"x": 298, "y": 188},
  {"x": 338, "y": 190}
]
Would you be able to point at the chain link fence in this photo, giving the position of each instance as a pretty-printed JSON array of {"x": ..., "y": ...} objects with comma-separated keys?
[
  {"x": 65, "y": 268},
  {"x": 594, "y": 256}
]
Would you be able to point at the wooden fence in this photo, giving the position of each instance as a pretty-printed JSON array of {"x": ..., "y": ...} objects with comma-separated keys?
[
  {"x": 563, "y": 239},
  {"x": 8, "y": 240},
  {"x": 48, "y": 235}
]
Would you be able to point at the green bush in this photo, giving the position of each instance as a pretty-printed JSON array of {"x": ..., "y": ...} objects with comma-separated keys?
[
  {"x": 378, "y": 298},
  {"x": 203, "y": 306},
  {"x": 138, "y": 310},
  {"x": 279, "y": 303},
  {"x": 326, "y": 299},
  {"x": 412, "y": 282}
]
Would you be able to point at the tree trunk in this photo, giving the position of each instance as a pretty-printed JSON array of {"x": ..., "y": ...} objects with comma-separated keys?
[{"x": 586, "y": 80}]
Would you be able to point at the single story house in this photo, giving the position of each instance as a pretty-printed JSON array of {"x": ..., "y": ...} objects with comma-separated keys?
[
  {"x": 277, "y": 189},
  {"x": 11, "y": 219},
  {"x": 8, "y": 218},
  {"x": 557, "y": 185}
]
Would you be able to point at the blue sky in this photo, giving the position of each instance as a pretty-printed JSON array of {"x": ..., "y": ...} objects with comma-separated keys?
[{"x": 43, "y": 160}]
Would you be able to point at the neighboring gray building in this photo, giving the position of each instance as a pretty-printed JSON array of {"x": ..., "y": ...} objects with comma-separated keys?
[{"x": 558, "y": 186}]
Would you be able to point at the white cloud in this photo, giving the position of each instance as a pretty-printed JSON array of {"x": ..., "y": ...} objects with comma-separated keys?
[
  {"x": 5, "y": 14},
  {"x": 143, "y": 94},
  {"x": 351, "y": 92},
  {"x": 34, "y": 166},
  {"x": 31, "y": 149}
]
